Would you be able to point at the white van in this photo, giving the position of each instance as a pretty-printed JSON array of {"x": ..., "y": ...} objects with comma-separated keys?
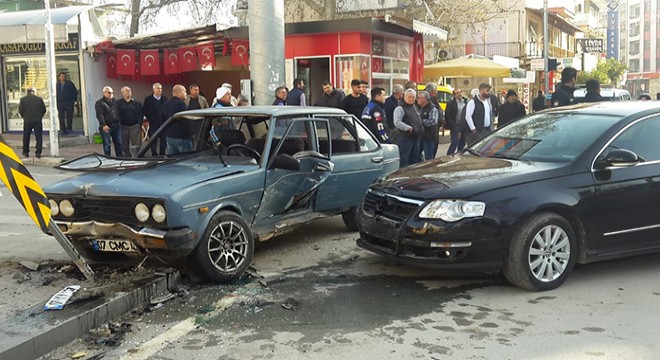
[{"x": 608, "y": 93}]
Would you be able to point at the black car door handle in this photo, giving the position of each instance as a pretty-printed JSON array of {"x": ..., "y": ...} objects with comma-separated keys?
[{"x": 377, "y": 159}]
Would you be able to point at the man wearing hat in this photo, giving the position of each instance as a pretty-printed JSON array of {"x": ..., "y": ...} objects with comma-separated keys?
[
  {"x": 512, "y": 109},
  {"x": 233, "y": 101},
  {"x": 222, "y": 97},
  {"x": 32, "y": 110}
]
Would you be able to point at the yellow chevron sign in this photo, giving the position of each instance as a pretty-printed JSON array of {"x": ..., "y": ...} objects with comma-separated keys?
[{"x": 26, "y": 190}]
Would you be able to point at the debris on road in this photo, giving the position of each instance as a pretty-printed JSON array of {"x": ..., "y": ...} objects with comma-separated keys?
[
  {"x": 291, "y": 304},
  {"x": 22, "y": 277},
  {"x": 78, "y": 355},
  {"x": 161, "y": 299},
  {"x": 58, "y": 300},
  {"x": 110, "y": 334},
  {"x": 31, "y": 265}
]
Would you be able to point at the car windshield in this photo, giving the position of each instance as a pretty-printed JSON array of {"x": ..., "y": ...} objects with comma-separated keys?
[{"x": 552, "y": 137}]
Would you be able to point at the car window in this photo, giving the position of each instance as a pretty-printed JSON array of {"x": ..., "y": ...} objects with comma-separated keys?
[
  {"x": 295, "y": 138},
  {"x": 552, "y": 137},
  {"x": 444, "y": 97},
  {"x": 348, "y": 136},
  {"x": 641, "y": 138}
]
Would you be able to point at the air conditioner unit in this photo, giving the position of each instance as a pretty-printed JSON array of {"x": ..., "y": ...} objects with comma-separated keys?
[{"x": 444, "y": 54}]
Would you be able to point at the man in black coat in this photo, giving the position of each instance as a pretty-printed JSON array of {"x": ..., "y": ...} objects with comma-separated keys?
[
  {"x": 593, "y": 92},
  {"x": 129, "y": 111},
  {"x": 539, "y": 102},
  {"x": 330, "y": 97},
  {"x": 108, "y": 117},
  {"x": 67, "y": 94},
  {"x": 179, "y": 134},
  {"x": 356, "y": 101},
  {"x": 452, "y": 116},
  {"x": 297, "y": 95},
  {"x": 32, "y": 110},
  {"x": 564, "y": 94},
  {"x": 152, "y": 110},
  {"x": 511, "y": 110}
]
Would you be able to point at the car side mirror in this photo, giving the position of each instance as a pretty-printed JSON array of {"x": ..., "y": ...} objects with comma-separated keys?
[
  {"x": 285, "y": 162},
  {"x": 618, "y": 158}
]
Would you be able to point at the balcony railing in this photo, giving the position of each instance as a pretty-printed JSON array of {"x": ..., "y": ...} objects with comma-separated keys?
[{"x": 534, "y": 49}]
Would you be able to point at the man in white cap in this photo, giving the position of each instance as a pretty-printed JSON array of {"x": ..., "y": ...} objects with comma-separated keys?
[
  {"x": 222, "y": 97},
  {"x": 233, "y": 101}
]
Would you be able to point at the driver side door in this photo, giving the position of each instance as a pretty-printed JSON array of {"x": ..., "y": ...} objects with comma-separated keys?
[{"x": 295, "y": 171}]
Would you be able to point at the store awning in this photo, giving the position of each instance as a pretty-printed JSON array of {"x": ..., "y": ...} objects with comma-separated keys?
[
  {"x": 429, "y": 30},
  {"x": 21, "y": 27}
]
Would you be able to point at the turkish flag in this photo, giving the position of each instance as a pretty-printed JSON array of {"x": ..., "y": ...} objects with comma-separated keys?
[
  {"x": 149, "y": 62},
  {"x": 377, "y": 65},
  {"x": 225, "y": 47},
  {"x": 125, "y": 62},
  {"x": 103, "y": 46},
  {"x": 206, "y": 54},
  {"x": 187, "y": 59},
  {"x": 417, "y": 63},
  {"x": 111, "y": 66},
  {"x": 240, "y": 53},
  {"x": 171, "y": 59}
]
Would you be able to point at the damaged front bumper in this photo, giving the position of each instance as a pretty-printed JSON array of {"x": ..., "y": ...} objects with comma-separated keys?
[{"x": 179, "y": 242}]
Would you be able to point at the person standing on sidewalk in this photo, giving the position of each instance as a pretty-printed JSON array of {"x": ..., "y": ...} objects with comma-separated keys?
[
  {"x": 67, "y": 94},
  {"x": 109, "y": 127},
  {"x": 130, "y": 117},
  {"x": 32, "y": 109},
  {"x": 153, "y": 115},
  {"x": 297, "y": 95},
  {"x": 452, "y": 117},
  {"x": 479, "y": 115},
  {"x": 373, "y": 115},
  {"x": 356, "y": 101}
]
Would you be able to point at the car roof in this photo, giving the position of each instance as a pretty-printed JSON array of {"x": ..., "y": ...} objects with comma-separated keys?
[
  {"x": 617, "y": 108},
  {"x": 605, "y": 92},
  {"x": 262, "y": 111}
]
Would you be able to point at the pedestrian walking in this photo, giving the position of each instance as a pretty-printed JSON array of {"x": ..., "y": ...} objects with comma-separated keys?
[
  {"x": 479, "y": 115},
  {"x": 563, "y": 96},
  {"x": 452, "y": 117},
  {"x": 32, "y": 109},
  {"x": 130, "y": 117},
  {"x": 152, "y": 110},
  {"x": 429, "y": 116},
  {"x": 67, "y": 94},
  {"x": 108, "y": 118},
  {"x": 410, "y": 129},
  {"x": 512, "y": 109},
  {"x": 373, "y": 115},
  {"x": 179, "y": 134}
]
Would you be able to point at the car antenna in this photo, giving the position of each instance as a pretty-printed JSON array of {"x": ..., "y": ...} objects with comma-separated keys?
[{"x": 216, "y": 145}]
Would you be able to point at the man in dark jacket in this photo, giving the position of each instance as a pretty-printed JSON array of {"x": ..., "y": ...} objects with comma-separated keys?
[
  {"x": 429, "y": 114},
  {"x": 130, "y": 117},
  {"x": 390, "y": 104},
  {"x": 593, "y": 92},
  {"x": 152, "y": 110},
  {"x": 511, "y": 110},
  {"x": 297, "y": 95},
  {"x": 539, "y": 102},
  {"x": 32, "y": 109},
  {"x": 356, "y": 101},
  {"x": 410, "y": 129},
  {"x": 452, "y": 116},
  {"x": 373, "y": 115},
  {"x": 280, "y": 96},
  {"x": 564, "y": 94},
  {"x": 179, "y": 134},
  {"x": 330, "y": 97},
  {"x": 67, "y": 94},
  {"x": 109, "y": 126}
]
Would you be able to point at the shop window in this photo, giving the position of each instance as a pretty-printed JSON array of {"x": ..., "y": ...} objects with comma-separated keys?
[{"x": 351, "y": 67}]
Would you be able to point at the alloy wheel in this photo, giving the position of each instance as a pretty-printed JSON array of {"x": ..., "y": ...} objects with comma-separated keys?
[
  {"x": 549, "y": 253},
  {"x": 228, "y": 246}
]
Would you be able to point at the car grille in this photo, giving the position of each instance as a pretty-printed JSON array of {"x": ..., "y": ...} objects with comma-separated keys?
[
  {"x": 386, "y": 206},
  {"x": 110, "y": 209}
]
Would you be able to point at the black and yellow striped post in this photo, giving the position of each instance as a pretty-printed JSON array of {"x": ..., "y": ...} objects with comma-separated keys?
[{"x": 33, "y": 199}]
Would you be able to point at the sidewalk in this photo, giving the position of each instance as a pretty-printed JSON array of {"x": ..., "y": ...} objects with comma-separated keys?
[{"x": 70, "y": 147}]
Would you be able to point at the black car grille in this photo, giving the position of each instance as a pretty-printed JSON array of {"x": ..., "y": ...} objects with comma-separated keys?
[
  {"x": 386, "y": 206},
  {"x": 111, "y": 209}
]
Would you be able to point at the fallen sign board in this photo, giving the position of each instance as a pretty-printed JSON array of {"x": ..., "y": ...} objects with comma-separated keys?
[{"x": 29, "y": 194}]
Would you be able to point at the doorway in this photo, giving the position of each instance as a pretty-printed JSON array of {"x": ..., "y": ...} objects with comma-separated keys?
[{"x": 313, "y": 71}]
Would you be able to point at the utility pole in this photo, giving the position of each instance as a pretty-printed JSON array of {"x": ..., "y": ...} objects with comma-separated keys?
[
  {"x": 50, "y": 70},
  {"x": 546, "y": 78},
  {"x": 266, "y": 35}
]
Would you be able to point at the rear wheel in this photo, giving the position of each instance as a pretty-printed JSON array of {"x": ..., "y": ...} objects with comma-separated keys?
[
  {"x": 350, "y": 219},
  {"x": 542, "y": 253},
  {"x": 226, "y": 248}
]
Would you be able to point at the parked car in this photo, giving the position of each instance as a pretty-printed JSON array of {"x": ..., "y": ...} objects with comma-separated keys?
[
  {"x": 254, "y": 173},
  {"x": 610, "y": 94},
  {"x": 564, "y": 186}
]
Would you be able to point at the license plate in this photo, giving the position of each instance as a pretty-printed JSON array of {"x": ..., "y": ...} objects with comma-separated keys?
[{"x": 115, "y": 246}]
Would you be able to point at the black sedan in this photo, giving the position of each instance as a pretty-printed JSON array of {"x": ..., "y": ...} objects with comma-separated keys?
[{"x": 560, "y": 187}]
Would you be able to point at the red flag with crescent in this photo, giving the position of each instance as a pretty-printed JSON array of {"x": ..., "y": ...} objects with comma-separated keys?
[
  {"x": 187, "y": 59},
  {"x": 171, "y": 58},
  {"x": 111, "y": 65},
  {"x": 149, "y": 62},
  {"x": 126, "y": 62},
  {"x": 417, "y": 63},
  {"x": 240, "y": 53},
  {"x": 206, "y": 54}
]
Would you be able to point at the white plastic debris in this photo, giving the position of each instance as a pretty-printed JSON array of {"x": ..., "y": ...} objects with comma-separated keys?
[{"x": 58, "y": 300}]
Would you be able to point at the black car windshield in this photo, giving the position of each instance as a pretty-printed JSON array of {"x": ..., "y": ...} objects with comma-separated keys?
[{"x": 552, "y": 137}]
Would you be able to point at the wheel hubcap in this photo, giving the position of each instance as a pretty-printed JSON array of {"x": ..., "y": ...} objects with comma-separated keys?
[
  {"x": 228, "y": 246},
  {"x": 549, "y": 253}
]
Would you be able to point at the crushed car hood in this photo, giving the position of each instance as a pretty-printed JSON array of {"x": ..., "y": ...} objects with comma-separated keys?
[
  {"x": 465, "y": 175},
  {"x": 150, "y": 178}
]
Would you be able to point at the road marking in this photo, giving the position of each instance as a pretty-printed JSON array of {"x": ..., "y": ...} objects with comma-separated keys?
[{"x": 151, "y": 347}]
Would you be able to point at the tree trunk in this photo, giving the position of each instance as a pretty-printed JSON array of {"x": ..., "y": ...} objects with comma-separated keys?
[{"x": 135, "y": 18}]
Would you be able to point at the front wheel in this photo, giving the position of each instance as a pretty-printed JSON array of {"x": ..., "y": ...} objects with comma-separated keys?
[
  {"x": 226, "y": 249},
  {"x": 350, "y": 219},
  {"x": 542, "y": 253}
]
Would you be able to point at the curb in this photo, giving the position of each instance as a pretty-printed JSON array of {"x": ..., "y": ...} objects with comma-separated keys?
[
  {"x": 35, "y": 332},
  {"x": 43, "y": 161}
]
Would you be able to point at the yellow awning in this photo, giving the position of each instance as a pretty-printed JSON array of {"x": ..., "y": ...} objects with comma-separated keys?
[{"x": 470, "y": 67}]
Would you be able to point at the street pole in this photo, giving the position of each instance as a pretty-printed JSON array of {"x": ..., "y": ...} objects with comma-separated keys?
[
  {"x": 266, "y": 24},
  {"x": 50, "y": 70},
  {"x": 546, "y": 78}
]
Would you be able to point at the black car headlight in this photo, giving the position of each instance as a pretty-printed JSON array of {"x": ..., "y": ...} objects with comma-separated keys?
[{"x": 452, "y": 210}]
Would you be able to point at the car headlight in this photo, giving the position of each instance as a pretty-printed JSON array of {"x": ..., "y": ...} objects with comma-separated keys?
[
  {"x": 66, "y": 208},
  {"x": 158, "y": 213},
  {"x": 142, "y": 212},
  {"x": 452, "y": 210},
  {"x": 54, "y": 208}
]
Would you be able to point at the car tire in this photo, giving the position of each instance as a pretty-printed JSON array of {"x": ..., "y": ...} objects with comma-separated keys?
[
  {"x": 225, "y": 250},
  {"x": 350, "y": 219},
  {"x": 85, "y": 250},
  {"x": 542, "y": 253}
]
